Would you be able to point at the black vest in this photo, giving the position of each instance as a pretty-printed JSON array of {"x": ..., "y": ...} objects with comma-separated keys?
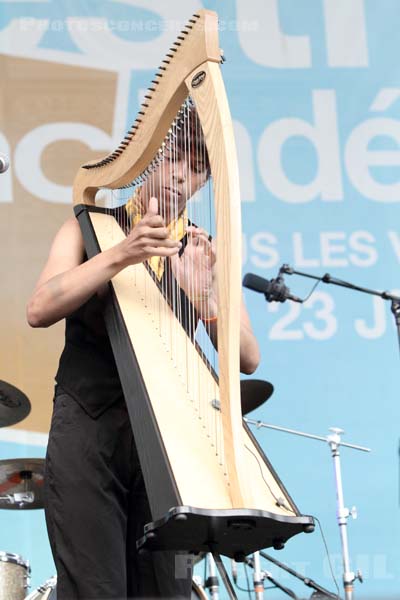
[{"x": 87, "y": 369}]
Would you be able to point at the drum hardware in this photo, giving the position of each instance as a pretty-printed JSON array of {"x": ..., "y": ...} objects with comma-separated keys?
[
  {"x": 19, "y": 498},
  {"x": 46, "y": 591},
  {"x": 320, "y": 592},
  {"x": 14, "y": 405},
  {"x": 211, "y": 582},
  {"x": 14, "y": 576},
  {"x": 4, "y": 163},
  {"x": 334, "y": 441},
  {"x": 258, "y": 577},
  {"x": 222, "y": 572},
  {"x": 21, "y": 483}
]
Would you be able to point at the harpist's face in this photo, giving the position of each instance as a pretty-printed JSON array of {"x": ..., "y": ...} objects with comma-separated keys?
[{"x": 176, "y": 180}]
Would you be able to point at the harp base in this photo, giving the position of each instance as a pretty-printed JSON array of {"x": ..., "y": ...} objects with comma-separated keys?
[{"x": 234, "y": 533}]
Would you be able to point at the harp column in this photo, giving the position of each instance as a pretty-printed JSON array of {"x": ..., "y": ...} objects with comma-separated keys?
[{"x": 207, "y": 89}]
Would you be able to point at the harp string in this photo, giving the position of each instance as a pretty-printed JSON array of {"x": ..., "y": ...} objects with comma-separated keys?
[{"x": 179, "y": 164}]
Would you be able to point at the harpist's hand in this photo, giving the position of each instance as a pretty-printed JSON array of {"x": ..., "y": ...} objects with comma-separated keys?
[
  {"x": 195, "y": 272},
  {"x": 148, "y": 238}
]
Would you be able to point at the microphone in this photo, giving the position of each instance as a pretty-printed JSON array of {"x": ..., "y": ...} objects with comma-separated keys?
[
  {"x": 274, "y": 290},
  {"x": 4, "y": 163}
]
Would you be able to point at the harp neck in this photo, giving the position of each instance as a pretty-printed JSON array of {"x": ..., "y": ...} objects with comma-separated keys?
[{"x": 197, "y": 43}]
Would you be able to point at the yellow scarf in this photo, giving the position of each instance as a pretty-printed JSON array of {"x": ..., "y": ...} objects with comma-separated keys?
[{"x": 176, "y": 229}]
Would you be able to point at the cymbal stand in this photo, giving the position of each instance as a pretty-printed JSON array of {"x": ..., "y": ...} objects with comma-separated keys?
[
  {"x": 258, "y": 577},
  {"x": 334, "y": 442},
  {"x": 342, "y": 515},
  {"x": 222, "y": 571},
  {"x": 262, "y": 575},
  {"x": 211, "y": 582}
]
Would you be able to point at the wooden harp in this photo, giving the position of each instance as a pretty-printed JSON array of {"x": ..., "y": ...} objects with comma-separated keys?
[{"x": 203, "y": 488}]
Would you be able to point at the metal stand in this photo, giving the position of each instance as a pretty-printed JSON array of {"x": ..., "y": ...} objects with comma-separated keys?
[
  {"x": 334, "y": 442},
  {"x": 212, "y": 580},
  {"x": 321, "y": 592},
  {"x": 342, "y": 515},
  {"x": 262, "y": 575},
  {"x": 223, "y": 573},
  {"x": 327, "y": 278},
  {"x": 20, "y": 498},
  {"x": 395, "y": 308},
  {"x": 257, "y": 577}
]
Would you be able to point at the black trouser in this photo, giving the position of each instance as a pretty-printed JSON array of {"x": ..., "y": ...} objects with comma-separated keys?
[{"x": 96, "y": 506}]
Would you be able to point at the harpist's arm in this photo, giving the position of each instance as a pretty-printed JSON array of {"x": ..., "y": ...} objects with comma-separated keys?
[
  {"x": 195, "y": 273},
  {"x": 66, "y": 281}
]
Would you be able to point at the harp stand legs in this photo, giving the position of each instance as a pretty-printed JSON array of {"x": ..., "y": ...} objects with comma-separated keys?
[{"x": 222, "y": 571}]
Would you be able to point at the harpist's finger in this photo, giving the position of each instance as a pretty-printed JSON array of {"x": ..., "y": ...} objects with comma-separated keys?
[
  {"x": 152, "y": 208},
  {"x": 158, "y": 251}
]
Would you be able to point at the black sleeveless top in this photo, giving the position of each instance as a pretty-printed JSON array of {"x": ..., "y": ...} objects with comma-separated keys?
[{"x": 87, "y": 370}]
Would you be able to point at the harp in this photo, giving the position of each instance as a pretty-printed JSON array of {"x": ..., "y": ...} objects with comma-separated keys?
[{"x": 207, "y": 479}]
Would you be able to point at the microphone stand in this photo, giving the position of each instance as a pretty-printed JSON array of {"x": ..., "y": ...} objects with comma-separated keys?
[
  {"x": 327, "y": 278},
  {"x": 343, "y": 513}
]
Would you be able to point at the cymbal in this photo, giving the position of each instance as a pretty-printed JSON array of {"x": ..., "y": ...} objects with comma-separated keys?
[
  {"x": 14, "y": 405},
  {"x": 253, "y": 393},
  {"x": 21, "y": 483}
]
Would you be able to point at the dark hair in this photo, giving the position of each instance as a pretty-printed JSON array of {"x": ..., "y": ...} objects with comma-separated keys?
[{"x": 190, "y": 137}]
